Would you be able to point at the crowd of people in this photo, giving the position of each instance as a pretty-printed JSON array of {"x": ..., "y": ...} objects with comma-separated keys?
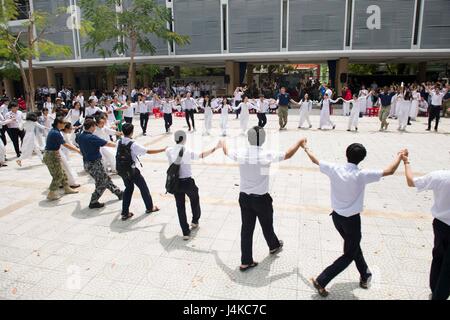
[{"x": 101, "y": 130}]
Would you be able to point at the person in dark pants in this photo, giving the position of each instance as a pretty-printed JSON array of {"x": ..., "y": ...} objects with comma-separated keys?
[
  {"x": 15, "y": 130},
  {"x": 137, "y": 179},
  {"x": 254, "y": 198},
  {"x": 439, "y": 183},
  {"x": 3, "y": 111},
  {"x": 92, "y": 159},
  {"x": 348, "y": 184},
  {"x": 189, "y": 105},
  {"x": 187, "y": 186},
  {"x": 144, "y": 113},
  {"x": 437, "y": 95}
]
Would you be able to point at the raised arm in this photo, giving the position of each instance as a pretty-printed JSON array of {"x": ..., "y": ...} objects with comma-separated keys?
[
  {"x": 408, "y": 172},
  {"x": 390, "y": 170},
  {"x": 310, "y": 155},
  {"x": 292, "y": 150},
  {"x": 155, "y": 151}
]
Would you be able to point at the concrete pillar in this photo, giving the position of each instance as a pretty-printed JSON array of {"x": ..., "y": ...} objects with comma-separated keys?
[
  {"x": 422, "y": 72},
  {"x": 110, "y": 81},
  {"x": 232, "y": 70},
  {"x": 176, "y": 71},
  {"x": 341, "y": 67},
  {"x": 51, "y": 80},
  {"x": 68, "y": 77},
  {"x": 8, "y": 85}
]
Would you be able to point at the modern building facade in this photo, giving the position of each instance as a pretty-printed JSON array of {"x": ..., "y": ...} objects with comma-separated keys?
[{"x": 231, "y": 32}]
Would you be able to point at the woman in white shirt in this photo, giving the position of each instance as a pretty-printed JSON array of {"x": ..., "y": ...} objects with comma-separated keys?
[
  {"x": 237, "y": 100},
  {"x": 108, "y": 154},
  {"x": 414, "y": 106},
  {"x": 74, "y": 114},
  {"x": 206, "y": 106},
  {"x": 325, "y": 119},
  {"x": 91, "y": 109},
  {"x": 128, "y": 112},
  {"x": 30, "y": 143},
  {"x": 244, "y": 108},
  {"x": 49, "y": 104},
  {"x": 224, "y": 107},
  {"x": 403, "y": 106},
  {"x": 67, "y": 133},
  {"x": 305, "y": 109},
  {"x": 3, "y": 122},
  {"x": 109, "y": 110}
]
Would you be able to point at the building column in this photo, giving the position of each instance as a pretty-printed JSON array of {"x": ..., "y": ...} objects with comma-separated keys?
[
  {"x": 68, "y": 77},
  {"x": 341, "y": 68},
  {"x": 8, "y": 85},
  {"x": 51, "y": 80},
  {"x": 422, "y": 72},
  {"x": 232, "y": 70},
  {"x": 249, "y": 75}
]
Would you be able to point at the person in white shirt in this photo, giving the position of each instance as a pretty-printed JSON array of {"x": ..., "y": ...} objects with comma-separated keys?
[
  {"x": 238, "y": 92},
  {"x": 262, "y": 107},
  {"x": 104, "y": 132},
  {"x": 74, "y": 114},
  {"x": 91, "y": 109},
  {"x": 325, "y": 119},
  {"x": 52, "y": 91},
  {"x": 439, "y": 183},
  {"x": 403, "y": 106},
  {"x": 254, "y": 198},
  {"x": 181, "y": 155},
  {"x": 189, "y": 106},
  {"x": 357, "y": 105},
  {"x": 30, "y": 143},
  {"x": 3, "y": 122},
  {"x": 64, "y": 152},
  {"x": 15, "y": 127},
  {"x": 144, "y": 113},
  {"x": 109, "y": 110},
  {"x": 414, "y": 105},
  {"x": 305, "y": 109},
  {"x": 348, "y": 184},
  {"x": 3, "y": 112},
  {"x": 436, "y": 104},
  {"x": 224, "y": 106},
  {"x": 80, "y": 99},
  {"x": 244, "y": 108},
  {"x": 208, "y": 112},
  {"x": 49, "y": 104},
  {"x": 167, "y": 107},
  {"x": 128, "y": 112},
  {"x": 135, "y": 178},
  {"x": 93, "y": 97}
]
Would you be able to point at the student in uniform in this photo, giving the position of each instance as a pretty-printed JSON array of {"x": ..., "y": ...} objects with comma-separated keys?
[
  {"x": 244, "y": 108},
  {"x": 224, "y": 107},
  {"x": 325, "y": 119},
  {"x": 206, "y": 106},
  {"x": 262, "y": 107},
  {"x": 128, "y": 111},
  {"x": 348, "y": 184},
  {"x": 254, "y": 198},
  {"x": 144, "y": 113},
  {"x": 189, "y": 106},
  {"x": 3, "y": 122},
  {"x": 30, "y": 141},
  {"x": 167, "y": 107},
  {"x": 92, "y": 159},
  {"x": 15, "y": 127},
  {"x": 283, "y": 99},
  {"x": 187, "y": 186},
  {"x": 439, "y": 183},
  {"x": 305, "y": 109},
  {"x": 137, "y": 179}
]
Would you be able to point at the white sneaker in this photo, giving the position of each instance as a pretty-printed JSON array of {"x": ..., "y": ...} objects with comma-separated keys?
[
  {"x": 186, "y": 238},
  {"x": 194, "y": 225}
]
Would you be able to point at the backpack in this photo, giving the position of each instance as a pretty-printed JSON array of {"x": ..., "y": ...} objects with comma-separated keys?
[
  {"x": 124, "y": 160},
  {"x": 173, "y": 175}
]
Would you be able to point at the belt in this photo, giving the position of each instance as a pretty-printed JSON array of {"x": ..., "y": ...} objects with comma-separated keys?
[{"x": 255, "y": 195}]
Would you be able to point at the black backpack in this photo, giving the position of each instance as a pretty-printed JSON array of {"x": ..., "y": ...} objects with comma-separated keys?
[
  {"x": 173, "y": 175},
  {"x": 124, "y": 160}
]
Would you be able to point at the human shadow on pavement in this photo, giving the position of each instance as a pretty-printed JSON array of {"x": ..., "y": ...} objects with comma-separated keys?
[
  {"x": 119, "y": 226},
  {"x": 177, "y": 243},
  {"x": 257, "y": 277}
]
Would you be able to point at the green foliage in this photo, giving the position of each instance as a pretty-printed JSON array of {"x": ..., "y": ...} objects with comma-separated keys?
[
  {"x": 139, "y": 20},
  {"x": 9, "y": 70},
  {"x": 362, "y": 69}
]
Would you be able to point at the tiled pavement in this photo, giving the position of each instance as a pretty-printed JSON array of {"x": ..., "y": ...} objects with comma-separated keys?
[{"x": 63, "y": 250}]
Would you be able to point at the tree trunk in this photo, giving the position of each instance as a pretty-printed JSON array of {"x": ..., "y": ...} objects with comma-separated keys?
[
  {"x": 132, "y": 67},
  {"x": 30, "y": 101}
]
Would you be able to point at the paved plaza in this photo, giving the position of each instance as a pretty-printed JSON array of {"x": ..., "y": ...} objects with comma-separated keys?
[{"x": 63, "y": 250}]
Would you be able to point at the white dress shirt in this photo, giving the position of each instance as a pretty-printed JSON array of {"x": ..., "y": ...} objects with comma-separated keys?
[
  {"x": 262, "y": 106},
  {"x": 437, "y": 96},
  {"x": 91, "y": 111},
  {"x": 129, "y": 112},
  {"x": 136, "y": 149},
  {"x": 439, "y": 182},
  {"x": 73, "y": 116},
  {"x": 17, "y": 119},
  {"x": 348, "y": 184},
  {"x": 254, "y": 168},
  {"x": 185, "y": 164},
  {"x": 189, "y": 104},
  {"x": 142, "y": 107}
]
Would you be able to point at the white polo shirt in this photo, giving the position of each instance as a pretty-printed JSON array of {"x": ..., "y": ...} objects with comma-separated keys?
[
  {"x": 254, "y": 168},
  {"x": 185, "y": 164},
  {"x": 129, "y": 112},
  {"x": 348, "y": 184},
  {"x": 437, "y": 96},
  {"x": 91, "y": 111},
  {"x": 439, "y": 182},
  {"x": 142, "y": 107}
]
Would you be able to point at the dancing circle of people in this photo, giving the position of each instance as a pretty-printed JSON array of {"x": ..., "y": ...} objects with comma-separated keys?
[{"x": 89, "y": 130}]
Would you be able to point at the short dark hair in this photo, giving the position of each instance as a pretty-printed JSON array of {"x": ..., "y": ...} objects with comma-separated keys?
[
  {"x": 57, "y": 121},
  {"x": 127, "y": 129},
  {"x": 356, "y": 153},
  {"x": 89, "y": 123},
  {"x": 31, "y": 116}
]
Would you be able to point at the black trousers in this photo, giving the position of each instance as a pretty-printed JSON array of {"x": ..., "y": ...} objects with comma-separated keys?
[
  {"x": 15, "y": 134},
  {"x": 189, "y": 114},
  {"x": 144, "y": 121},
  {"x": 128, "y": 119},
  {"x": 440, "y": 265},
  {"x": 139, "y": 181},
  {"x": 350, "y": 230},
  {"x": 252, "y": 207},
  {"x": 167, "y": 121},
  {"x": 188, "y": 188},
  {"x": 238, "y": 111},
  {"x": 3, "y": 134},
  {"x": 262, "y": 119},
  {"x": 434, "y": 113}
]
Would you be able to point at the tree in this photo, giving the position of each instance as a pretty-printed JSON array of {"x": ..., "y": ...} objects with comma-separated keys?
[
  {"x": 24, "y": 46},
  {"x": 135, "y": 25},
  {"x": 148, "y": 73}
]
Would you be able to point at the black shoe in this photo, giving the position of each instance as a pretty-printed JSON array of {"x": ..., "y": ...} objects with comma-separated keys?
[
  {"x": 273, "y": 251},
  {"x": 96, "y": 205},
  {"x": 365, "y": 284},
  {"x": 428, "y": 129}
]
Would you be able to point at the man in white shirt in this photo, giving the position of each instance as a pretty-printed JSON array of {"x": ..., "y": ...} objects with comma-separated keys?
[
  {"x": 15, "y": 127},
  {"x": 189, "y": 106},
  {"x": 348, "y": 184},
  {"x": 436, "y": 105},
  {"x": 262, "y": 107},
  {"x": 144, "y": 112},
  {"x": 439, "y": 183},
  {"x": 135, "y": 178},
  {"x": 183, "y": 156},
  {"x": 254, "y": 198},
  {"x": 3, "y": 112}
]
